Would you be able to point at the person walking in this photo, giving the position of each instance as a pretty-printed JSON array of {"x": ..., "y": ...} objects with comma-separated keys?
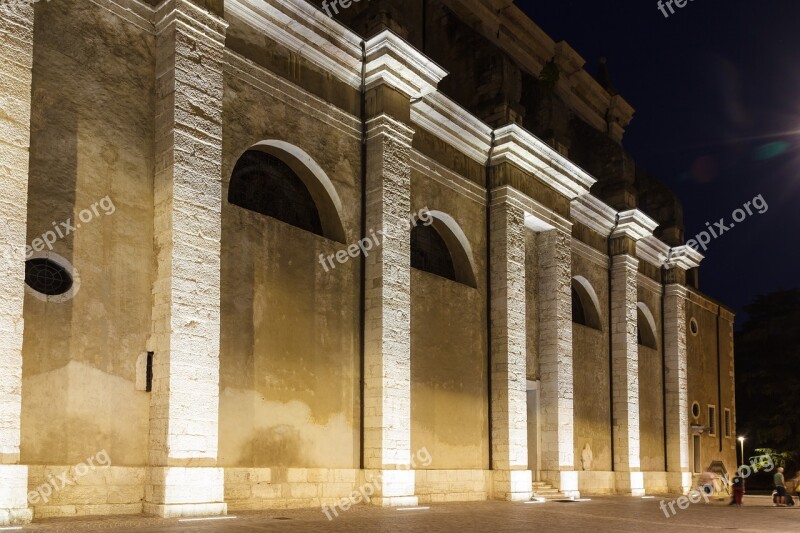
[
  {"x": 738, "y": 489},
  {"x": 780, "y": 488}
]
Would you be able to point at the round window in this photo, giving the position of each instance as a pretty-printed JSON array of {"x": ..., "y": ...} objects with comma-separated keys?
[
  {"x": 696, "y": 410},
  {"x": 693, "y": 326},
  {"x": 51, "y": 278},
  {"x": 47, "y": 277}
]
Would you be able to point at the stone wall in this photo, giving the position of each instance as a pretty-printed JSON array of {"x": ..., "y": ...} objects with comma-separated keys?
[
  {"x": 705, "y": 377},
  {"x": 449, "y": 394},
  {"x": 651, "y": 392},
  {"x": 92, "y": 137},
  {"x": 289, "y": 373},
  {"x": 449, "y": 369},
  {"x": 291, "y": 431},
  {"x": 592, "y": 397},
  {"x": 109, "y": 490}
]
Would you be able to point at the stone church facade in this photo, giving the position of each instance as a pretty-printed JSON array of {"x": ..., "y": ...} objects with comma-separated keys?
[{"x": 189, "y": 187}]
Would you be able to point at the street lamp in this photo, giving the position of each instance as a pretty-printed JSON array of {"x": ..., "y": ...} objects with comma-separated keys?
[{"x": 741, "y": 441}]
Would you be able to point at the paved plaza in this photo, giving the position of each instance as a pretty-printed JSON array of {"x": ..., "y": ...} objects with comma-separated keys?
[{"x": 598, "y": 514}]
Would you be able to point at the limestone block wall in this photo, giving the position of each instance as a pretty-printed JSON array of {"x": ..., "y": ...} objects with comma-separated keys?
[
  {"x": 288, "y": 431},
  {"x": 186, "y": 290},
  {"x": 531, "y": 307},
  {"x": 677, "y": 392},
  {"x": 437, "y": 486},
  {"x": 102, "y": 491},
  {"x": 92, "y": 137},
  {"x": 726, "y": 335},
  {"x": 449, "y": 375},
  {"x": 556, "y": 350},
  {"x": 591, "y": 377},
  {"x": 507, "y": 268},
  {"x": 387, "y": 342},
  {"x": 282, "y": 488},
  {"x": 449, "y": 393},
  {"x": 651, "y": 397},
  {"x": 289, "y": 358},
  {"x": 625, "y": 362},
  {"x": 16, "y": 55}
]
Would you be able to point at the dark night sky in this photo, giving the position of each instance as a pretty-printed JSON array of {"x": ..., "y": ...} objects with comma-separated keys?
[{"x": 716, "y": 88}]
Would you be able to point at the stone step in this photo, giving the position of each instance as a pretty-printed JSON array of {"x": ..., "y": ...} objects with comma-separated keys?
[{"x": 544, "y": 491}]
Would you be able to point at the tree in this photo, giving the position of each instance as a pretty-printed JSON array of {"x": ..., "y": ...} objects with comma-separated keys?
[{"x": 768, "y": 372}]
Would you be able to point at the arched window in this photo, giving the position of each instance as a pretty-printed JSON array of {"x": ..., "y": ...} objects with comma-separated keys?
[
  {"x": 263, "y": 183},
  {"x": 585, "y": 305},
  {"x": 280, "y": 180},
  {"x": 440, "y": 247},
  {"x": 429, "y": 252},
  {"x": 646, "y": 326}
]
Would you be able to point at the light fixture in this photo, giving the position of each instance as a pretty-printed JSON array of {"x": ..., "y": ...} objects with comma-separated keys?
[{"x": 741, "y": 441}]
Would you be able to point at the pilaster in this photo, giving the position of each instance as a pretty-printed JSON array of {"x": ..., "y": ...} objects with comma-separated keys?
[
  {"x": 625, "y": 371},
  {"x": 676, "y": 385},
  {"x": 555, "y": 360},
  {"x": 183, "y": 479},
  {"x": 387, "y": 335},
  {"x": 512, "y": 478},
  {"x": 16, "y": 64},
  {"x": 394, "y": 74},
  {"x": 631, "y": 227}
]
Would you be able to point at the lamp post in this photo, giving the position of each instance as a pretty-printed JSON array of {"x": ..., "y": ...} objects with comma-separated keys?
[{"x": 741, "y": 441}]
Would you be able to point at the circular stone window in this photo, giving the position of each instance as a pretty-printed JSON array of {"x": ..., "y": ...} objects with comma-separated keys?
[
  {"x": 47, "y": 277},
  {"x": 696, "y": 410},
  {"x": 693, "y": 327},
  {"x": 51, "y": 278}
]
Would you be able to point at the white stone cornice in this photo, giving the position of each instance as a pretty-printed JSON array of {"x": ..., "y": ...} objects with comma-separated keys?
[
  {"x": 676, "y": 290},
  {"x": 515, "y": 144},
  {"x": 652, "y": 250},
  {"x": 684, "y": 257},
  {"x": 305, "y": 30},
  {"x": 451, "y": 123},
  {"x": 634, "y": 224},
  {"x": 593, "y": 213},
  {"x": 385, "y": 125},
  {"x": 193, "y": 16},
  {"x": 393, "y": 61}
]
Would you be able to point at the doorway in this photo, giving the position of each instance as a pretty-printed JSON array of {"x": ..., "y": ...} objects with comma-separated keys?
[
  {"x": 696, "y": 453},
  {"x": 534, "y": 456}
]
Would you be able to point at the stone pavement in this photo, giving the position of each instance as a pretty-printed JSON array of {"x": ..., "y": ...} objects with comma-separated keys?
[{"x": 598, "y": 515}]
